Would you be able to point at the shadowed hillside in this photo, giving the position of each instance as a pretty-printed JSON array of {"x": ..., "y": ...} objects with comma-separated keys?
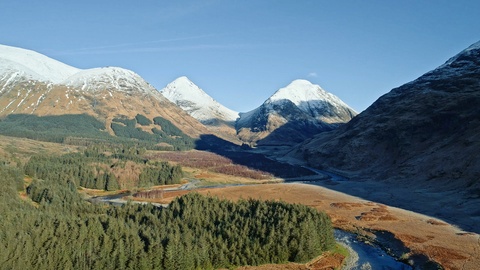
[{"x": 423, "y": 135}]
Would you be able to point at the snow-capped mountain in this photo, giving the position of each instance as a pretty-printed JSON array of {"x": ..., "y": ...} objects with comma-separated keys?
[
  {"x": 30, "y": 65},
  {"x": 32, "y": 83},
  {"x": 301, "y": 109},
  {"x": 108, "y": 78},
  {"x": 313, "y": 100},
  {"x": 197, "y": 103}
]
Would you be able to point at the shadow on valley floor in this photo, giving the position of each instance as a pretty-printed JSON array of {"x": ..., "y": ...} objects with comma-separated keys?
[
  {"x": 449, "y": 206},
  {"x": 293, "y": 133},
  {"x": 240, "y": 155}
]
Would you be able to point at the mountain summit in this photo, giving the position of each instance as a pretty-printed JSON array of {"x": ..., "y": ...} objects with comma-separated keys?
[
  {"x": 197, "y": 103},
  {"x": 314, "y": 101},
  {"x": 294, "y": 113},
  {"x": 109, "y": 78}
]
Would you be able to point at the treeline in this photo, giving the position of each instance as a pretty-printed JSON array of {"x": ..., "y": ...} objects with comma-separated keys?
[
  {"x": 53, "y": 128},
  {"x": 194, "y": 232},
  {"x": 164, "y": 131},
  {"x": 93, "y": 169},
  {"x": 74, "y": 169},
  {"x": 80, "y": 129},
  {"x": 160, "y": 173}
]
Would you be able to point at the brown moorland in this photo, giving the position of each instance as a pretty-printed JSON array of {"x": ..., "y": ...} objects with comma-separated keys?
[{"x": 421, "y": 234}]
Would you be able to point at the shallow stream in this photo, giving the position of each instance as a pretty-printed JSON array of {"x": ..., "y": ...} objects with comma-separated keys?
[{"x": 364, "y": 256}]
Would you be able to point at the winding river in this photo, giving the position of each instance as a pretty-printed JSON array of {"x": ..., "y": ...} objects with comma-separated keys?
[{"x": 362, "y": 256}]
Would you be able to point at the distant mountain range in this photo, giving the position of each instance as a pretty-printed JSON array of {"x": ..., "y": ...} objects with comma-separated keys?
[
  {"x": 425, "y": 128},
  {"x": 32, "y": 83},
  {"x": 290, "y": 115}
]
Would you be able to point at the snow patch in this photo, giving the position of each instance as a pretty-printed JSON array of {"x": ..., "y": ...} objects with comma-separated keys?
[
  {"x": 33, "y": 65},
  {"x": 306, "y": 96},
  {"x": 107, "y": 78},
  {"x": 196, "y": 102}
]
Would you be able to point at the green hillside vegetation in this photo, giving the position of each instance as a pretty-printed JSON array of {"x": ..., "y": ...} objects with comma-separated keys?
[
  {"x": 160, "y": 173},
  {"x": 63, "y": 231},
  {"x": 81, "y": 129},
  {"x": 143, "y": 120},
  {"x": 164, "y": 131},
  {"x": 93, "y": 169},
  {"x": 53, "y": 128}
]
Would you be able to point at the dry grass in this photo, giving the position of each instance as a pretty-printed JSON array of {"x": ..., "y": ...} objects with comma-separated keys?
[
  {"x": 436, "y": 222},
  {"x": 347, "y": 206},
  {"x": 327, "y": 261},
  {"x": 377, "y": 214},
  {"x": 445, "y": 244},
  {"x": 21, "y": 149},
  {"x": 211, "y": 162},
  {"x": 407, "y": 238}
]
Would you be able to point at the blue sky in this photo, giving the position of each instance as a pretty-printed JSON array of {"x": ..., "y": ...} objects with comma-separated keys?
[{"x": 241, "y": 52}]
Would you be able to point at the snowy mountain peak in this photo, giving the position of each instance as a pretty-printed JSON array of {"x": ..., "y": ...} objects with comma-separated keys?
[
  {"x": 196, "y": 102},
  {"x": 298, "y": 91},
  {"x": 108, "y": 78},
  {"x": 310, "y": 98},
  {"x": 299, "y": 110},
  {"x": 33, "y": 65},
  {"x": 183, "y": 80}
]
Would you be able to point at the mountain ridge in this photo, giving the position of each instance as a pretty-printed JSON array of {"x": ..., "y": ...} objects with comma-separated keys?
[
  {"x": 105, "y": 93},
  {"x": 34, "y": 83},
  {"x": 36, "y": 66}
]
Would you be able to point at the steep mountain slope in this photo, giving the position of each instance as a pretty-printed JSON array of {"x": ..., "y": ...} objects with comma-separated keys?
[
  {"x": 292, "y": 114},
  {"x": 423, "y": 135},
  {"x": 188, "y": 96},
  {"x": 197, "y": 103},
  {"x": 31, "y": 83}
]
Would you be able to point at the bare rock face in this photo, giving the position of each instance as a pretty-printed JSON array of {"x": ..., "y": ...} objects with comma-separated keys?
[{"x": 424, "y": 133}]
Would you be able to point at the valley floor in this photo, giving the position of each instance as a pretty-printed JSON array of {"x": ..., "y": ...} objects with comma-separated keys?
[{"x": 423, "y": 236}]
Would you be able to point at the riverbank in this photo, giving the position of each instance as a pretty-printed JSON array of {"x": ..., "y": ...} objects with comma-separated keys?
[{"x": 424, "y": 237}]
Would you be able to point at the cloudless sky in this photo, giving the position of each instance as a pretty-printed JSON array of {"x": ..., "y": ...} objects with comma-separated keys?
[{"x": 241, "y": 52}]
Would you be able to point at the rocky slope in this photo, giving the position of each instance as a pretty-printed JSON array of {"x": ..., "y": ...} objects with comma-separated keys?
[
  {"x": 423, "y": 135},
  {"x": 31, "y": 83},
  {"x": 293, "y": 114}
]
